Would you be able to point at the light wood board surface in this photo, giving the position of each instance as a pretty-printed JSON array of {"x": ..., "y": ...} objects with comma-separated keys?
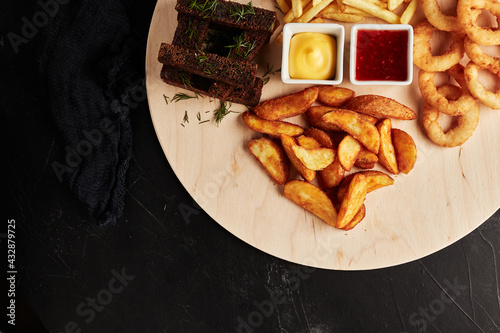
[{"x": 449, "y": 193}]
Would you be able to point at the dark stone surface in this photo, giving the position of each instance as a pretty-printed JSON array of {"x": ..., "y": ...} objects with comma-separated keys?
[{"x": 190, "y": 275}]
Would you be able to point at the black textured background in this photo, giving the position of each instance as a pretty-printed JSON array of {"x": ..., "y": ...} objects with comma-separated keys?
[{"x": 190, "y": 275}]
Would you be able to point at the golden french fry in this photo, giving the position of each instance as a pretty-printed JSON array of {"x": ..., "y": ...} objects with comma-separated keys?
[
  {"x": 374, "y": 9},
  {"x": 290, "y": 16},
  {"x": 283, "y": 6},
  {"x": 352, "y": 201},
  {"x": 393, "y": 4},
  {"x": 366, "y": 159},
  {"x": 334, "y": 8},
  {"x": 406, "y": 151},
  {"x": 316, "y": 158},
  {"x": 271, "y": 127},
  {"x": 334, "y": 96},
  {"x": 317, "y": 20},
  {"x": 349, "y": 149},
  {"x": 324, "y": 139},
  {"x": 288, "y": 143},
  {"x": 379, "y": 3},
  {"x": 312, "y": 199},
  {"x": 376, "y": 105},
  {"x": 360, "y": 215},
  {"x": 343, "y": 17},
  {"x": 354, "y": 124},
  {"x": 341, "y": 5},
  {"x": 386, "y": 154},
  {"x": 375, "y": 179},
  {"x": 315, "y": 2},
  {"x": 409, "y": 12},
  {"x": 310, "y": 13},
  {"x": 308, "y": 142},
  {"x": 287, "y": 106},
  {"x": 271, "y": 156},
  {"x": 332, "y": 175},
  {"x": 297, "y": 8}
]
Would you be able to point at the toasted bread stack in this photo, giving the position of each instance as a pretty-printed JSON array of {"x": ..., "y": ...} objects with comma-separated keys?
[{"x": 213, "y": 48}]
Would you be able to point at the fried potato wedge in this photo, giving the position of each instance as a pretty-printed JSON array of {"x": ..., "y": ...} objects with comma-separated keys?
[
  {"x": 386, "y": 154},
  {"x": 271, "y": 127},
  {"x": 354, "y": 124},
  {"x": 332, "y": 175},
  {"x": 360, "y": 215},
  {"x": 314, "y": 159},
  {"x": 324, "y": 139},
  {"x": 287, "y": 106},
  {"x": 366, "y": 159},
  {"x": 308, "y": 142},
  {"x": 406, "y": 150},
  {"x": 334, "y": 96},
  {"x": 353, "y": 200},
  {"x": 380, "y": 106},
  {"x": 349, "y": 149},
  {"x": 288, "y": 143},
  {"x": 312, "y": 199},
  {"x": 314, "y": 118},
  {"x": 375, "y": 179},
  {"x": 271, "y": 156}
]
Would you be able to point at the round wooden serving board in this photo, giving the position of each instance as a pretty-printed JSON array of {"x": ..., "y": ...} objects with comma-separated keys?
[{"x": 449, "y": 193}]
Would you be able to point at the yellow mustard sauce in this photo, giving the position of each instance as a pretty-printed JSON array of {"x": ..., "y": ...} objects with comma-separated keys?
[{"x": 312, "y": 56}]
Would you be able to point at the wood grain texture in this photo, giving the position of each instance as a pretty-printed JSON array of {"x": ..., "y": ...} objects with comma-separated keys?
[{"x": 448, "y": 194}]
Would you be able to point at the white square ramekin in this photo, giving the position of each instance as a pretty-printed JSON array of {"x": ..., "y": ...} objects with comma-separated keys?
[
  {"x": 352, "y": 56},
  {"x": 335, "y": 30}
]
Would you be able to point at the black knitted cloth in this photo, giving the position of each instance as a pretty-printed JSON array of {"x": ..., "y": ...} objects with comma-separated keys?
[{"x": 84, "y": 66}]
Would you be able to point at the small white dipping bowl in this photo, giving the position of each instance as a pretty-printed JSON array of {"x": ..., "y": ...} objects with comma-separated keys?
[
  {"x": 332, "y": 29},
  {"x": 409, "y": 63}
]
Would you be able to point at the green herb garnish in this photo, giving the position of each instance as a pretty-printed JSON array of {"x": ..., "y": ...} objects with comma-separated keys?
[
  {"x": 239, "y": 45},
  {"x": 186, "y": 81},
  {"x": 191, "y": 31},
  {"x": 198, "y": 116},
  {"x": 266, "y": 80},
  {"x": 241, "y": 10},
  {"x": 181, "y": 96},
  {"x": 204, "y": 121},
  {"x": 222, "y": 111},
  {"x": 166, "y": 98},
  {"x": 186, "y": 117}
]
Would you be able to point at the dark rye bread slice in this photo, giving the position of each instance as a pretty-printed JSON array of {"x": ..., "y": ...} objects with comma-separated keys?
[
  {"x": 227, "y": 13},
  {"x": 198, "y": 84},
  {"x": 247, "y": 96},
  {"x": 209, "y": 65},
  {"x": 190, "y": 32}
]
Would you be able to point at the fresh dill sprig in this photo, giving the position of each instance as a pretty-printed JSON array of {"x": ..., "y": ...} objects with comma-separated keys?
[
  {"x": 198, "y": 116},
  {"x": 209, "y": 7},
  {"x": 182, "y": 96},
  {"x": 166, "y": 98},
  {"x": 191, "y": 31},
  {"x": 204, "y": 121},
  {"x": 269, "y": 70},
  {"x": 186, "y": 117},
  {"x": 222, "y": 111},
  {"x": 266, "y": 80},
  {"x": 278, "y": 8},
  {"x": 186, "y": 81},
  {"x": 241, "y": 10}
]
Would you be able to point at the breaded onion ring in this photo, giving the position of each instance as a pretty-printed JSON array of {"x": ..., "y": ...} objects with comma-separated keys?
[
  {"x": 482, "y": 59},
  {"x": 488, "y": 98},
  {"x": 467, "y": 13},
  {"x": 422, "y": 56},
  {"x": 436, "y": 17},
  {"x": 437, "y": 100},
  {"x": 457, "y": 135}
]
